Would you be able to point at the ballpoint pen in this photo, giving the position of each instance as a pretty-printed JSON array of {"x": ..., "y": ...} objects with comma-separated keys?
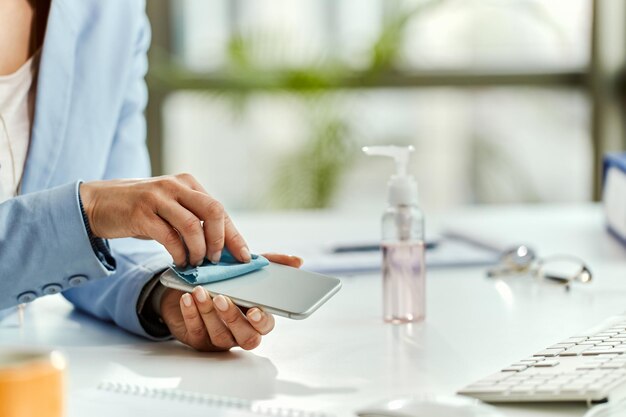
[{"x": 370, "y": 247}]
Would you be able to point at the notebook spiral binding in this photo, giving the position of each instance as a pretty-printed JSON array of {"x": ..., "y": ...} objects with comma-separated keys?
[{"x": 215, "y": 401}]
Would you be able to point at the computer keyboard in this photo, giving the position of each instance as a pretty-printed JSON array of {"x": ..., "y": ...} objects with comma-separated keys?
[{"x": 590, "y": 367}]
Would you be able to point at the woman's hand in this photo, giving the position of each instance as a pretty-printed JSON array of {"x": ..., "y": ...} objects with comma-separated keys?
[
  {"x": 173, "y": 210},
  {"x": 217, "y": 324}
]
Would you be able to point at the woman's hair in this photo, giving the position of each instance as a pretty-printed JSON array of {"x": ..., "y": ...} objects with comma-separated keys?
[{"x": 40, "y": 20}]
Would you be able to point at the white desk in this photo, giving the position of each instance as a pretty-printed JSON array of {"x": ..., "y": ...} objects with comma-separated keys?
[{"x": 343, "y": 357}]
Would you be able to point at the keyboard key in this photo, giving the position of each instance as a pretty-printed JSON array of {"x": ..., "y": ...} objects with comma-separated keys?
[
  {"x": 547, "y": 389},
  {"x": 574, "y": 350},
  {"x": 574, "y": 387},
  {"x": 583, "y": 381},
  {"x": 529, "y": 384},
  {"x": 606, "y": 350},
  {"x": 572, "y": 374},
  {"x": 576, "y": 339},
  {"x": 549, "y": 352},
  {"x": 597, "y": 386},
  {"x": 524, "y": 364},
  {"x": 521, "y": 390},
  {"x": 515, "y": 368},
  {"x": 546, "y": 364},
  {"x": 572, "y": 390},
  {"x": 561, "y": 381},
  {"x": 543, "y": 379},
  {"x": 610, "y": 365},
  {"x": 588, "y": 366},
  {"x": 562, "y": 346},
  {"x": 603, "y": 350}
]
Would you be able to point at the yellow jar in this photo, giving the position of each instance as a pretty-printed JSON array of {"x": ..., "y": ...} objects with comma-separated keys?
[{"x": 31, "y": 383}]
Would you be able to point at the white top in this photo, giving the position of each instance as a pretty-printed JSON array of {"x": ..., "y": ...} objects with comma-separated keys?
[{"x": 16, "y": 116}]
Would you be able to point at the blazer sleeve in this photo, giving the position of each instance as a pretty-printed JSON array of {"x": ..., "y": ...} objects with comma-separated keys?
[
  {"x": 116, "y": 298},
  {"x": 44, "y": 247}
]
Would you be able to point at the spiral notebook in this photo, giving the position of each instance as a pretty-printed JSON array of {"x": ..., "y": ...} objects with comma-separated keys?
[{"x": 122, "y": 399}]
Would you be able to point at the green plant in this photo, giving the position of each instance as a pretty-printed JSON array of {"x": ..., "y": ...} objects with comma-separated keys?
[{"x": 309, "y": 177}]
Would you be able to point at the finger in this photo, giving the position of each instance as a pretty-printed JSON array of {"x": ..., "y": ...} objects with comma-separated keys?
[
  {"x": 235, "y": 242},
  {"x": 261, "y": 321},
  {"x": 212, "y": 213},
  {"x": 220, "y": 335},
  {"x": 196, "y": 334},
  {"x": 159, "y": 230},
  {"x": 246, "y": 336},
  {"x": 190, "y": 181},
  {"x": 189, "y": 227},
  {"x": 288, "y": 260},
  {"x": 214, "y": 230}
]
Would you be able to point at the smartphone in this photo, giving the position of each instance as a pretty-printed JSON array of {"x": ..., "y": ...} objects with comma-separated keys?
[{"x": 277, "y": 289}]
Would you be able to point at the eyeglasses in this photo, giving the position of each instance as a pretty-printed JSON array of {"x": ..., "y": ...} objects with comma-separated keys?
[{"x": 558, "y": 269}]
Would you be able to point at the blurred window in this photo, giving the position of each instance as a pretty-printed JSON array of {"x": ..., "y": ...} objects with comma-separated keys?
[{"x": 288, "y": 147}]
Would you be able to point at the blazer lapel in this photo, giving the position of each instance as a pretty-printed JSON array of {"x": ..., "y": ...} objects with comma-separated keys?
[{"x": 52, "y": 102}]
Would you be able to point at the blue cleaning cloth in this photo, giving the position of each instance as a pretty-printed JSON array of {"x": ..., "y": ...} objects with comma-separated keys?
[{"x": 228, "y": 267}]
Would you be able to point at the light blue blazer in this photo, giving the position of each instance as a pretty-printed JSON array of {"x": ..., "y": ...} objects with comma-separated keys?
[{"x": 88, "y": 125}]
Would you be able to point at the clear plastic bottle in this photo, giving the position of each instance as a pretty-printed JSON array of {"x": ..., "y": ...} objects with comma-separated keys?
[
  {"x": 404, "y": 270},
  {"x": 403, "y": 247}
]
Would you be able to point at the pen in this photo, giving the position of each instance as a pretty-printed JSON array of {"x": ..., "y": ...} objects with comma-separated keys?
[{"x": 370, "y": 247}]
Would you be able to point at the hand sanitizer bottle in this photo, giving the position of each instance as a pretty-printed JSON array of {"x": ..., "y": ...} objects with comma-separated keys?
[{"x": 403, "y": 247}]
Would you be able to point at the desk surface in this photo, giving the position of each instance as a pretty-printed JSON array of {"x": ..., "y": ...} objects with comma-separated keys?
[{"x": 344, "y": 357}]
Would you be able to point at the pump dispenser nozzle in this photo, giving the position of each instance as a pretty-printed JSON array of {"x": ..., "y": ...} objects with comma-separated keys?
[
  {"x": 402, "y": 187},
  {"x": 401, "y": 155}
]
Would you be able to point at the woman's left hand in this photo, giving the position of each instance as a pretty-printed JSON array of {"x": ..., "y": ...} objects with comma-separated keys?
[{"x": 217, "y": 324}]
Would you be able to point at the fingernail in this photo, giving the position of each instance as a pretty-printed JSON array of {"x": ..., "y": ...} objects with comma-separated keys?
[
  {"x": 245, "y": 254},
  {"x": 200, "y": 262},
  {"x": 221, "y": 303},
  {"x": 200, "y": 294},
  {"x": 255, "y": 315},
  {"x": 215, "y": 258},
  {"x": 187, "y": 300}
]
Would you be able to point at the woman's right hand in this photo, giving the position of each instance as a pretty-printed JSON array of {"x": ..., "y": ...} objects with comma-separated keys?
[{"x": 173, "y": 210}]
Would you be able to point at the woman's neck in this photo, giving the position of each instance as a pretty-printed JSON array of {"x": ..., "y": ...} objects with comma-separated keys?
[{"x": 22, "y": 29}]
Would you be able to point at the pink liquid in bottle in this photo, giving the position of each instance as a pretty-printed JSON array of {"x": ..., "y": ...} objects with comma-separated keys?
[{"x": 404, "y": 281}]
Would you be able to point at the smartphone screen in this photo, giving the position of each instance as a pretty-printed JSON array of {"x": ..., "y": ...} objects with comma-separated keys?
[{"x": 278, "y": 289}]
